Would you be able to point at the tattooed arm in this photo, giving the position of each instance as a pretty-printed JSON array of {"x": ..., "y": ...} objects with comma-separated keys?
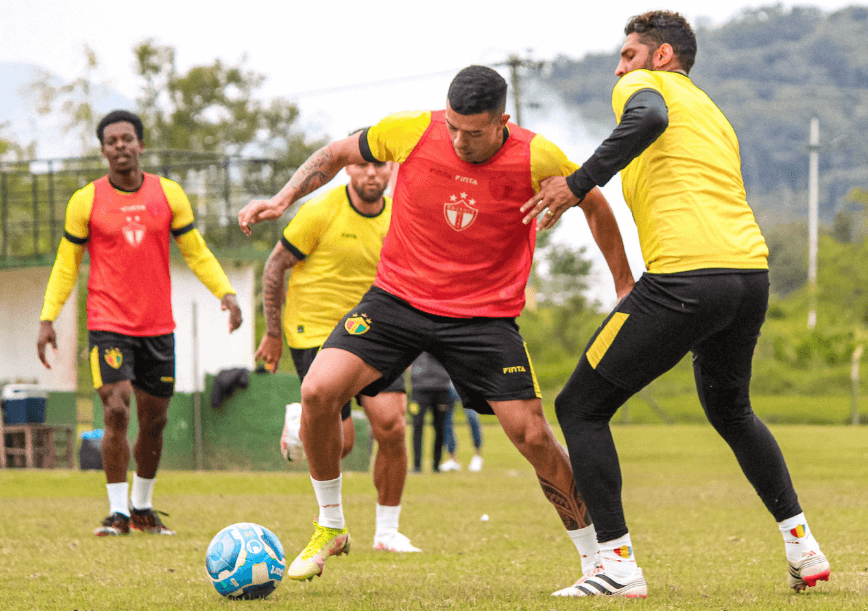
[
  {"x": 271, "y": 347},
  {"x": 319, "y": 169}
]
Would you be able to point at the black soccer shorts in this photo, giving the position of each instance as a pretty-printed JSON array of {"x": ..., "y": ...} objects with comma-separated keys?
[
  {"x": 148, "y": 362},
  {"x": 486, "y": 358}
]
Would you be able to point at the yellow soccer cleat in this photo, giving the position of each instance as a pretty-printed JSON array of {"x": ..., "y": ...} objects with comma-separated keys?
[{"x": 324, "y": 543}]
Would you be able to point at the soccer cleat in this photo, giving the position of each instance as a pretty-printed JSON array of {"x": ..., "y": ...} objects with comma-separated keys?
[
  {"x": 475, "y": 463},
  {"x": 147, "y": 521},
  {"x": 115, "y": 524},
  {"x": 597, "y": 583},
  {"x": 290, "y": 441},
  {"x": 395, "y": 542},
  {"x": 324, "y": 543},
  {"x": 808, "y": 570},
  {"x": 450, "y": 465}
]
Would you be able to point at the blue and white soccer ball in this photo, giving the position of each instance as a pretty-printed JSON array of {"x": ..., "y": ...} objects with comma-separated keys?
[{"x": 245, "y": 560}]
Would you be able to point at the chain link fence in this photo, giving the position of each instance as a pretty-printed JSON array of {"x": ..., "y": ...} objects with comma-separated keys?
[{"x": 34, "y": 195}]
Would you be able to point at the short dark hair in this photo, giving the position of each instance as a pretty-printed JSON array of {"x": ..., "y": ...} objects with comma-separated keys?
[
  {"x": 117, "y": 116},
  {"x": 477, "y": 89},
  {"x": 657, "y": 27}
]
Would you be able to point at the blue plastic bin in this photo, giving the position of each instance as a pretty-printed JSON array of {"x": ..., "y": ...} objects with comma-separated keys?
[{"x": 23, "y": 403}]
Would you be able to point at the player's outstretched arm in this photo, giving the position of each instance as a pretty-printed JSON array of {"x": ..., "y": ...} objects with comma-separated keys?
[
  {"x": 607, "y": 235},
  {"x": 318, "y": 170}
]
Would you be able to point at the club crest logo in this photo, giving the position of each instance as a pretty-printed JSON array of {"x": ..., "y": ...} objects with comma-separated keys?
[
  {"x": 798, "y": 531},
  {"x": 114, "y": 358},
  {"x": 357, "y": 325},
  {"x": 460, "y": 212},
  {"x": 501, "y": 186},
  {"x": 134, "y": 232}
]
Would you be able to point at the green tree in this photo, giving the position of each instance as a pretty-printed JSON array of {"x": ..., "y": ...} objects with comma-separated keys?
[{"x": 74, "y": 100}]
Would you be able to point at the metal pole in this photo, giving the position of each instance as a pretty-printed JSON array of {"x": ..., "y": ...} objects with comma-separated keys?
[
  {"x": 197, "y": 395},
  {"x": 813, "y": 221},
  {"x": 514, "y": 64},
  {"x": 854, "y": 385}
]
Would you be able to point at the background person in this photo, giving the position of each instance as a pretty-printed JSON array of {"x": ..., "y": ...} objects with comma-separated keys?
[
  {"x": 430, "y": 387},
  {"x": 705, "y": 291},
  {"x": 332, "y": 245},
  {"x": 451, "y": 443},
  {"x": 125, "y": 220},
  {"x": 450, "y": 281}
]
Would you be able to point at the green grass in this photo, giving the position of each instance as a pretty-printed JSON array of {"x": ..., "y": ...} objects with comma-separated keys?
[{"x": 700, "y": 533}]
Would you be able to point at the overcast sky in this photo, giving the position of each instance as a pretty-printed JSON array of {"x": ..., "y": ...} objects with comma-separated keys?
[{"x": 326, "y": 62}]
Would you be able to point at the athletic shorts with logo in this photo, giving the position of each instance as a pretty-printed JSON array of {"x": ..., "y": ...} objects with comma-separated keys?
[
  {"x": 148, "y": 362},
  {"x": 716, "y": 314},
  {"x": 486, "y": 358},
  {"x": 303, "y": 357}
]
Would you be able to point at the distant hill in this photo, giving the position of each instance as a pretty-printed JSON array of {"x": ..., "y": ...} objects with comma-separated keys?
[
  {"x": 24, "y": 126},
  {"x": 770, "y": 70}
]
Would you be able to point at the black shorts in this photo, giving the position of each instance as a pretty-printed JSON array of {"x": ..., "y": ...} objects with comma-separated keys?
[
  {"x": 486, "y": 358},
  {"x": 148, "y": 362},
  {"x": 716, "y": 314},
  {"x": 303, "y": 357}
]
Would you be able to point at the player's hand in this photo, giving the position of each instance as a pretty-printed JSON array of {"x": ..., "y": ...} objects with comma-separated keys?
[
  {"x": 259, "y": 210},
  {"x": 553, "y": 199},
  {"x": 230, "y": 302},
  {"x": 270, "y": 350},
  {"x": 46, "y": 336}
]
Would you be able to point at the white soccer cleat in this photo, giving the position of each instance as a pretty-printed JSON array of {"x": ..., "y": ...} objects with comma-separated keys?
[
  {"x": 450, "y": 465},
  {"x": 395, "y": 542},
  {"x": 810, "y": 568},
  {"x": 597, "y": 583},
  {"x": 290, "y": 441},
  {"x": 475, "y": 463}
]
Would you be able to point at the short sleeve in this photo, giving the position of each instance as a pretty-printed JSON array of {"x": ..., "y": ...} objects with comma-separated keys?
[
  {"x": 628, "y": 85},
  {"x": 395, "y": 136},
  {"x": 308, "y": 225},
  {"x": 547, "y": 159}
]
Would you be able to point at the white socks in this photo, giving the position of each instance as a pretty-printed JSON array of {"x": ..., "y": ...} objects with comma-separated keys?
[
  {"x": 387, "y": 520},
  {"x": 585, "y": 540},
  {"x": 117, "y": 494},
  {"x": 328, "y": 495},
  {"x": 617, "y": 558},
  {"x": 143, "y": 490},
  {"x": 797, "y": 537}
]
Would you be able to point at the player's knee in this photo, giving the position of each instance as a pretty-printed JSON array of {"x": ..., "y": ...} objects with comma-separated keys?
[
  {"x": 318, "y": 397},
  {"x": 389, "y": 431}
]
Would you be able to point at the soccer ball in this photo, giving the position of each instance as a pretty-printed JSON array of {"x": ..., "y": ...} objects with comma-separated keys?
[{"x": 245, "y": 560}]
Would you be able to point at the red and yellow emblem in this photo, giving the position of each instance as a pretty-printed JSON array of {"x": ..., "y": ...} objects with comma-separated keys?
[
  {"x": 114, "y": 358},
  {"x": 357, "y": 325},
  {"x": 798, "y": 531},
  {"x": 623, "y": 551}
]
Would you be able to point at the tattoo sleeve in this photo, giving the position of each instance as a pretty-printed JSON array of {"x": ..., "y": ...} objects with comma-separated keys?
[
  {"x": 273, "y": 294},
  {"x": 569, "y": 505},
  {"x": 314, "y": 173}
]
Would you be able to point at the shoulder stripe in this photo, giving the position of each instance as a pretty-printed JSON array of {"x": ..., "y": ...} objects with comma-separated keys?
[
  {"x": 182, "y": 230},
  {"x": 295, "y": 251},
  {"x": 365, "y": 148},
  {"x": 74, "y": 239}
]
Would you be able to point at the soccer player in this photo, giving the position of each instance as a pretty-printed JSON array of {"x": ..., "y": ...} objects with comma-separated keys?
[
  {"x": 125, "y": 220},
  {"x": 450, "y": 281},
  {"x": 705, "y": 291},
  {"x": 332, "y": 245}
]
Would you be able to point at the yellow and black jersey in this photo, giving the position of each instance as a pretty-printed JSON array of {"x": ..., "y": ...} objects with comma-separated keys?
[
  {"x": 685, "y": 190},
  {"x": 338, "y": 248}
]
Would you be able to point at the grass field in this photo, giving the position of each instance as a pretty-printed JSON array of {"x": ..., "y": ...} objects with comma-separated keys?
[{"x": 700, "y": 533}]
